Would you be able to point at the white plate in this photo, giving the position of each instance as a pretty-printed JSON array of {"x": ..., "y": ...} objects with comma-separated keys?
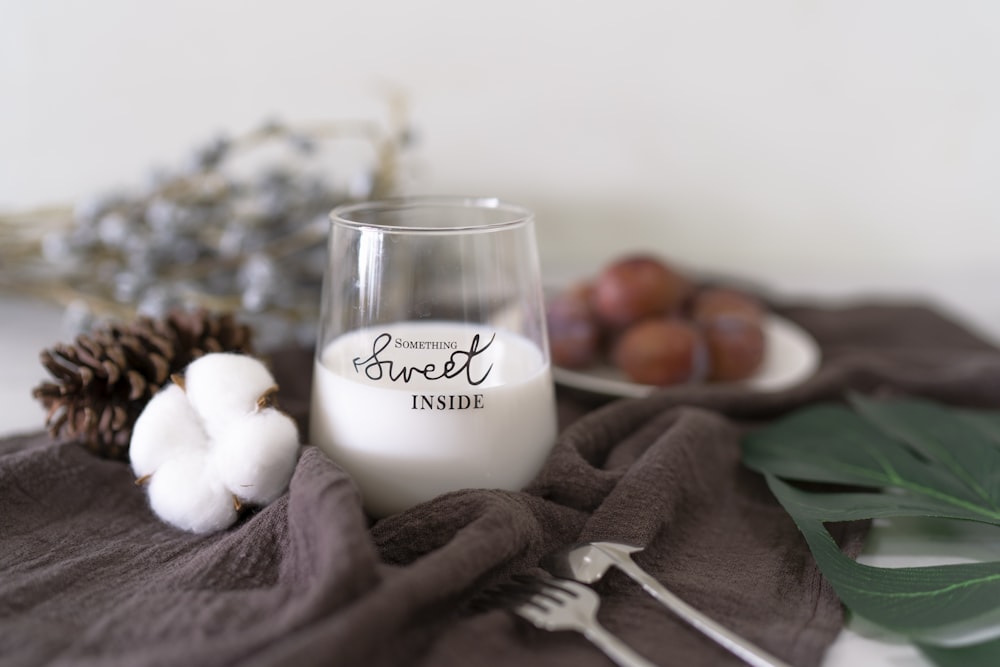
[{"x": 790, "y": 356}]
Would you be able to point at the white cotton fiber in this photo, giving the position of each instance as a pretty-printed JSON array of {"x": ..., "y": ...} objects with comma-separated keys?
[
  {"x": 207, "y": 442},
  {"x": 256, "y": 455},
  {"x": 186, "y": 492},
  {"x": 167, "y": 425},
  {"x": 224, "y": 386}
]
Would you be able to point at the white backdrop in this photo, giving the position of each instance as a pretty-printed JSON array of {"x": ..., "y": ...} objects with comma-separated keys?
[{"x": 811, "y": 144}]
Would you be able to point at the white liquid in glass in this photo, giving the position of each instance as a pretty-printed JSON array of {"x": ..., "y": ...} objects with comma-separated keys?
[{"x": 415, "y": 409}]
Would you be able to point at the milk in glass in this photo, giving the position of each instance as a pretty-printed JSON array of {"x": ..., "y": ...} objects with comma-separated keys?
[{"x": 415, "y": 409}]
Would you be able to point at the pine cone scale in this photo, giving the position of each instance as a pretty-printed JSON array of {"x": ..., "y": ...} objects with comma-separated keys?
[
  {"x": 141, "y": 358},
  {"x": 86, "y": 420},
  {"x": 111, "y": 371},
  {"x": 119, "y": 417},
  {"x": 107, "y": 415},
  {"x": 88, "y": 347},
  {"x": 94, "y": 363},
  {"x": 161, "y": 368},
  {"x": 138, "y": 386},
  {"x": 58, "y": 370},
  {"x": 117, "y": 357},
  {"x": 53, "y": 408},
  {"x": 56, "y": 426}
]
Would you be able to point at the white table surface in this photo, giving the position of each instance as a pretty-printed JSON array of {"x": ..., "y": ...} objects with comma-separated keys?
[{"x": 26, "y": 327}]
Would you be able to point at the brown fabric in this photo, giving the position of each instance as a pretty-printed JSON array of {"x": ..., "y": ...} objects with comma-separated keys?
[{"x": 88, "y": 576}]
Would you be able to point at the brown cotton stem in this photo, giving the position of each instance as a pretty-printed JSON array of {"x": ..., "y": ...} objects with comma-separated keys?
[{"x": 267, "y": 399}]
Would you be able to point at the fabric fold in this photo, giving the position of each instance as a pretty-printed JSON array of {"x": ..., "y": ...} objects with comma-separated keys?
[{"x": 89, "y": 576}]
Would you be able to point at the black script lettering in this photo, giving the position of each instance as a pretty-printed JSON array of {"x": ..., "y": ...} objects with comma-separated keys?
[{"x": 459, "y": 362}]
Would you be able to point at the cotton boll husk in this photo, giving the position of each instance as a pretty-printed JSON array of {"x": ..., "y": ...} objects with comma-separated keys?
[
  {"x": 256, "y": 455},
  {"x": 224, "y": 386},
  {"x": 186, "y": 492},
  {"x": 167, "y": 425}
]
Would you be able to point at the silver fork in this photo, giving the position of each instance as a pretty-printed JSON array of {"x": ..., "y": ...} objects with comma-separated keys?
[
  {"x": 589, "y": 561},
  {"x": 560, "y": 604}
]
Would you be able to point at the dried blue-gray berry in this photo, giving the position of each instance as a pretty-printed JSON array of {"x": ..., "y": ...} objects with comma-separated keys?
[{"x": 241, "y": 223}]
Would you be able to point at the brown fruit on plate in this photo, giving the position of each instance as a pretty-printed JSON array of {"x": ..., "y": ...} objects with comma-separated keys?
[
  {"x": 636, "y": 288},
  {"x": 714, "y": 302},
  {"x": 574, "y": 333},
  {"x": 661, "y": 352},
  {"x": 735, "y": 347}
]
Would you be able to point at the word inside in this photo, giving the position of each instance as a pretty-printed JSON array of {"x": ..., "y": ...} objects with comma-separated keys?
[{"x": 447, "y": 402}]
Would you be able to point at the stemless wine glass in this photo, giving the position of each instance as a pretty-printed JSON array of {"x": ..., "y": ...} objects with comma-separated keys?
[{"x": 432, "y": 366}]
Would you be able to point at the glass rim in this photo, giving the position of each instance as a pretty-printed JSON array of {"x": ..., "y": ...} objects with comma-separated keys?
[{"x": 517, "y": 215}]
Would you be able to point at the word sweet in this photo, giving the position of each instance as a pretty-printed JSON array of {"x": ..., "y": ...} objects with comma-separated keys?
[{"x": 459, "y": 362}]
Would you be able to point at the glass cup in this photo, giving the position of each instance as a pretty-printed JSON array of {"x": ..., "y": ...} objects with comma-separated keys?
[{"x": 432, "y": 368}]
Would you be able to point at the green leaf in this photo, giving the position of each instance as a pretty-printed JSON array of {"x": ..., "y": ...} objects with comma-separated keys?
[
  {"x": 978, "y": 655},
  {"x": 909, "y": 458}
]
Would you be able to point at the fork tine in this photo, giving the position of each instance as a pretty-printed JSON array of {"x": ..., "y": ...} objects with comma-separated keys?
[
  {"x": 546, "y": 604},
  {"x": 519, "y": 590},
  {"x": 551, "y": 594},
  {"x": 559, "y": 604},
  {"x": 566, "y": 587},
  {"x": 534, "y": 587}
]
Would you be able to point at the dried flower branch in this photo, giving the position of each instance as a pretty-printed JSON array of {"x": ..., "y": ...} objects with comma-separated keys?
[{"x": 239, "y": 227}]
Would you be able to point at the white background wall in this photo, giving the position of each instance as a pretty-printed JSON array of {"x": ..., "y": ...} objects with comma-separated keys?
[{"x": 812, "y": 144}]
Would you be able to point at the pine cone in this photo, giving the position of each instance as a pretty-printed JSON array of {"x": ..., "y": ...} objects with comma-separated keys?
[{"x": 104, "y": 380}]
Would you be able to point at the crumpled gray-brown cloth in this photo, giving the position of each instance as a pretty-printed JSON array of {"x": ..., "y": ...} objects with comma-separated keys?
[{"x": 89, "y": 576}]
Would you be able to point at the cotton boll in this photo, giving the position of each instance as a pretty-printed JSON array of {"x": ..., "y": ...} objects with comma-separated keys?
[
  {"x": 167, "y": 425},
  {"x": 209, "y": 442},
  {"x": 256, "y": 455},
  {"x": 186, "y": 492},
  {"x": 224, "y": 386}
]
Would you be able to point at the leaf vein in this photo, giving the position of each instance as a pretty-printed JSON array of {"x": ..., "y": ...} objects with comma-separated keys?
[{"x": 918, "y": 594}]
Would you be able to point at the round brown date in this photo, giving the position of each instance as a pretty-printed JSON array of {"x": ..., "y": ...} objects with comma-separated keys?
[
  {"x": 735, "y": 346},
  {"x": 635, "y": 288},
  {"x": 714, "y": 302},
  {"x": 574, "y": 333},
  {"x": 661, "y": 352}
]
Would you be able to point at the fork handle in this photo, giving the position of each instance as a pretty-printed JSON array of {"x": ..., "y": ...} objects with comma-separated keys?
[
  {"x": 744, "y": 649},
  {"x": 614, "y": 648}
]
